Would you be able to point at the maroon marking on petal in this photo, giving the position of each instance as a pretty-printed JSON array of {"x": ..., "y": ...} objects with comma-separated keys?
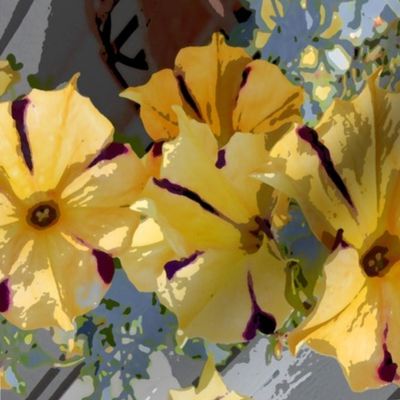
[
  {"x": 339, "y": 241},
  {"x": 108, "y": 153},
  {"x": 311, "y": 136},
  {"x": 18, "y": 113},
  {"x": 245, "y": 76},
  {"x": 221, "y": 161},
  {"x": 5, "y": 296},
  {"x": 156, "y": 149},
  {"x": 259, "y": 319},
  {"x": 187, "y": 95},
  {"x": 182, "y": 191},
  {"x": 105, "y": 265},
  {"x": 265, "y": 226},
  {"x": 172, "y": 267},
  {"x": 387, "y": 369}
]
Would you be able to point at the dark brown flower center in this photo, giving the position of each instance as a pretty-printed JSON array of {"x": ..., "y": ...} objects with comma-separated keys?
[
  {"x": 43, "y": 215},
  {"x": 252, "y": 233},
  {"x": 383, "y": 253}
]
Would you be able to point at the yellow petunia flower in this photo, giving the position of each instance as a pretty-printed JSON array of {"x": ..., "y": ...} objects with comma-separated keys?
[
  {"x": 7, "y": 76},
  {"x": 345, "y": 174},
  {"x": 221, "y": 86},
  {"x": 210, "y": 387},
  {"x": 65, "y": 189},
  {"x": 206, "y": 247}
]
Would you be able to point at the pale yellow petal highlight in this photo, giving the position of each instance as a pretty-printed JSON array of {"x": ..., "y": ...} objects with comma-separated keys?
[
  {"x": 35, "y": 296},
  {"x": 107, "y": 229},
  {"x": 109, "y": 183},
  {"x": 268, "y": 102},
  {"x": 144, "y": 261}
]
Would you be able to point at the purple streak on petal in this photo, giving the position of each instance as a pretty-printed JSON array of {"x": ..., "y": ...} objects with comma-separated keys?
[
  {"x": 311, "y": 136},
  {"x": 265, "y": 226},
  {"x": 245, "y": 76},
  {"x": 387, "y": 370},
  {"x": 339, "y": 241},
  {"x": 105, "y": 265},
  {"x": 221, "y": 161},
  {"x": 182, "y": 191},
  {"x": 187, "y": 96},
  {"x": 259, "y": 319},
  {"x": 5, "y": 296},
  {"x": 156, "y": 149},
  {"x": 18, "y": 112},
  {"x": 172, "y": 267},
  {"x": 108, "y": 153}
]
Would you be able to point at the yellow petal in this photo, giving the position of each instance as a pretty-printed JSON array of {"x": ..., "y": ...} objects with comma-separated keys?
[
  {"x": 212, "y": 296},
  {"x": 144, "y": 261},
  {"x": 112, "y": 182},
  {"x": 7, "y": 76},
  {"x": 107, "y": 229},
  {"x": 356, "y": 339},
  {"x": 35, "y": 300},
  {"x": 53, "y": 280},
  {"x": 12, "y": 161},
  {"x": 348, "y": 130},
  {"x": 212, "y": 75},
  {"x": 186, "y": 224},
  {"x": 295, "y": 169},
  {"x": 342, "y": 274},
  {"x": 211, "y": 386},
  {"x": 267, "y": 102},
  {"x": 243, "y": 155},
  {"x": 156, "y": 99},
  {"x": 63, "y": 128},
  {"x": 190, "y": 161},
  {"x": 270, "y": 9}
]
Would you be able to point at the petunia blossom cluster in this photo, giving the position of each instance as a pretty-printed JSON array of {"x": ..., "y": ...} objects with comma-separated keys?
[{"x": 198, "y": 219}]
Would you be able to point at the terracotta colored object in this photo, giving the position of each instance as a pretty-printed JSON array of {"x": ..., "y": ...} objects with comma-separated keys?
[{"x": 180, "y": 23}]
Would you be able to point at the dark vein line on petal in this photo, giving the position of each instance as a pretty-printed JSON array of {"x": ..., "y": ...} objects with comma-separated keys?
[
  {"x": 18, "y": 113},
  {"x": 311, "y": 137}
]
